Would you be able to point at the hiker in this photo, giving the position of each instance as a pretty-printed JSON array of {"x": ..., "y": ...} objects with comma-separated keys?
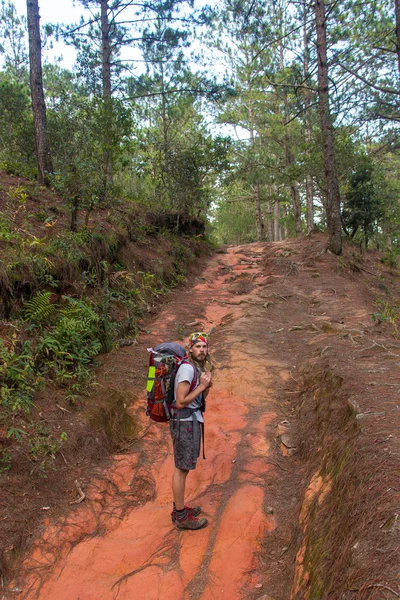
[{"x": 187, "y": 428}]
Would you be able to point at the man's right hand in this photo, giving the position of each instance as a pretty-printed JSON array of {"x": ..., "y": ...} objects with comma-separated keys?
[{"x": 205, "y": 380}]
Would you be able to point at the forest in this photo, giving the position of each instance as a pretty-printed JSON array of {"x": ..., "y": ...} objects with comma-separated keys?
[{"x": 266, "y": 120}]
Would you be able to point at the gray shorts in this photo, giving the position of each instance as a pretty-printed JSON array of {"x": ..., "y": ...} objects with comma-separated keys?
[{"x": 186, "y": 451}]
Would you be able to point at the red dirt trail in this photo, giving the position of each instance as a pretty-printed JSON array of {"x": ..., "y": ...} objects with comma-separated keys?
[
  {"x": 271, "y": 308},
  {"x": 141, "y": 555}
]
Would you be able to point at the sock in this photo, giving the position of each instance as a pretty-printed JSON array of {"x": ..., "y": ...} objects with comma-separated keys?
[{"x": 181, "y": 515}]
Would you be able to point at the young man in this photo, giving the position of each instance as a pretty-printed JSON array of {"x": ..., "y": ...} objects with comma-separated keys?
[{"x": 186, "y": 427}]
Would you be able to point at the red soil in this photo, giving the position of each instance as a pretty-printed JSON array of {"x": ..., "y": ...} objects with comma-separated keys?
[
  {"x": 142, "y": 555},
  {"x": 261, "y": 302}
]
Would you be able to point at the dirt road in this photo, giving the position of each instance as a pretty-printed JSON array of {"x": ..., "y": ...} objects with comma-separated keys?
[
  {"x": 141, "y": 555},
  {"x": 266, "y": 318}
]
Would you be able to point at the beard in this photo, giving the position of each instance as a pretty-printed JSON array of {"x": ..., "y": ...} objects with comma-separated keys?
[{"x": 199, "y": 359}]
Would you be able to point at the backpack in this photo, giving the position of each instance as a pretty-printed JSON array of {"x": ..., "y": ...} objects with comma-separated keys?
[{"x": 164, "y": 361}]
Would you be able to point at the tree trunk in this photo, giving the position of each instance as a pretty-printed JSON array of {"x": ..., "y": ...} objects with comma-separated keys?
[
  {"x": 256, "y": 188},
  {"x": 331, "y": 180},
  {"x": 307, "y": 127},
  {"x": 270, "y": 209},
  {"x": 106, "y": 81},
  {"x": 294, "y": 190},
  {"x": 74, "y": 213},
  {"x": 45, "y": 165},
  {"x": 289, "y": 154},
  {"x": 165, "y": 148},
  {"x": 285, "y": 233},
  {"x": 277, "y": 223},
  {"x": 259, "y": 216},
  {"x": 310, "y": 204},
  {"x": 397, "y": 11}
]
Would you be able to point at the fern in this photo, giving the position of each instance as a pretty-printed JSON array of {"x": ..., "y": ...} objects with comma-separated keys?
[
  {"x": 80, "y": 311},
  {"x": 39, "y": 309}
]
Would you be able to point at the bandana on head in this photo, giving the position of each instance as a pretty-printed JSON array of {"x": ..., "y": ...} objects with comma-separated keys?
[{"x": 198, "y": 337}]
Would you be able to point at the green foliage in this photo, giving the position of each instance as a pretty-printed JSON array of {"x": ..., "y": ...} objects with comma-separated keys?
[
  {"x": 39, "y": 309},
  {"x": 5, "y": 461},
  {"x": 387, "y": 312},
  {"x": 6, "y": 233},
  {"x": 233, "y": 218},
  {"x": 68, "y": 348},
  {"x": 390, "y": 259},
  {"x": 77, "y": 130},
  {"x": 17, "y": 141},
  {"x": 43, "y": 444},
  {"x": 18, "y": 376},
  {"x": 362, "y": 209},
  {"x": 13, "y": 42}
]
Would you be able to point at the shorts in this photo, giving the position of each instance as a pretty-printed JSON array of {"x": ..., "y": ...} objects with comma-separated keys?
[{"x": 186, "y": 450}]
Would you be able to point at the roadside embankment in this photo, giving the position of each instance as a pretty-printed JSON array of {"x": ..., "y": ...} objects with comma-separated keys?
[{"x": 348, "y": 528}]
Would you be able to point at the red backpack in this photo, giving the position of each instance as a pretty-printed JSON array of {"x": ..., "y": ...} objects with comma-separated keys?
[{"x": 164, "y": 361}]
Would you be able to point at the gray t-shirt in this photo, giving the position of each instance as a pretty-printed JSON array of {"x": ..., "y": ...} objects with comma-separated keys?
[{"x": 186, "y": 373}]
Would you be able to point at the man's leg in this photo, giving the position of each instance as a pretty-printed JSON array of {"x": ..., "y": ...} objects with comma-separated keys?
[
  {"x": 178, "y": 487},
  {"x": 184, "y": 517}
]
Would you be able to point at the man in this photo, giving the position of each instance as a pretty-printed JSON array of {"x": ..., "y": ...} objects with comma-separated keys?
[{"x": 186, "y": 427}]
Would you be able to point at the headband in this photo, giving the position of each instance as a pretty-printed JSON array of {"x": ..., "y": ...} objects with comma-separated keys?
[{"x": 196, "y": 337}]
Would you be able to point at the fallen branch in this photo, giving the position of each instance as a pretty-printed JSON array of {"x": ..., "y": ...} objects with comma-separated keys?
[
  {"x": 194, "y": 324},
  {"x": 276, "y": 464},
  {"x": 325, "y": 249},
  {"x": 385, "y": 587},
  {"x": 324, "y": 350},
  {"x": 285, "y": 298},
  {"x": 82, "y": 495},
  {"x": 300, "y": 327},
  {"x": 366, "y": 270},
  {"x": 376, "y": 344}
]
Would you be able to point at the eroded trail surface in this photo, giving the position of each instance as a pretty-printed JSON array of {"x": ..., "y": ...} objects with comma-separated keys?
[
  {"x": 269, "y": 307},
  {"x": 137, "y": 553}
]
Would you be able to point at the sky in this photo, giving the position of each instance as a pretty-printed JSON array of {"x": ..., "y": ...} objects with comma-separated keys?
[
  {"x": 70, "y": 11},
  {"x": 56, "y": 11}
]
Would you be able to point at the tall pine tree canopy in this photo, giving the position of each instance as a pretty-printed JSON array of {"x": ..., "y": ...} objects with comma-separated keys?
[{"x": 264, "y": 120}]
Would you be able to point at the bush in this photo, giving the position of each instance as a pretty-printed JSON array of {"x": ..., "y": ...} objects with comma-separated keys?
[
  {"x": 68, "y": 348},
  {"x": 18, "y": 379},
  {"x": 390, "y": 259}
]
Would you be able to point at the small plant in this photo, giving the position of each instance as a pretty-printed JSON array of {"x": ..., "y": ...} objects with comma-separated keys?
[
  {"x": 90, "y": 278},
  {"x": 18, "y": 379},
  {"x": 178, "y": 280},
  {"x": 15, "y": 433},
  {"x": 6, "y": 234},
  {"x": 43, "y": 446},
  {"x": 67, "y": 349},
  {"x": 20, "y": 194},
  {"x": 180, "y": 332},
  {"x": 39, "y": 309},
  {"x": 40, "y": 216},
  {"x": 387, "y": 313},
  {"x": 150, "y": 284},
  {"x": 341, "y": 263},
  {"x": 5, "y": 461},
  {"x": 390, "y": 259}
]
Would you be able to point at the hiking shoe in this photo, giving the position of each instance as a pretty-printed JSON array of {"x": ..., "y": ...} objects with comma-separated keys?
[
  {"x": 192, "y": 510},
  {"x": 191, "y": 522}
]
